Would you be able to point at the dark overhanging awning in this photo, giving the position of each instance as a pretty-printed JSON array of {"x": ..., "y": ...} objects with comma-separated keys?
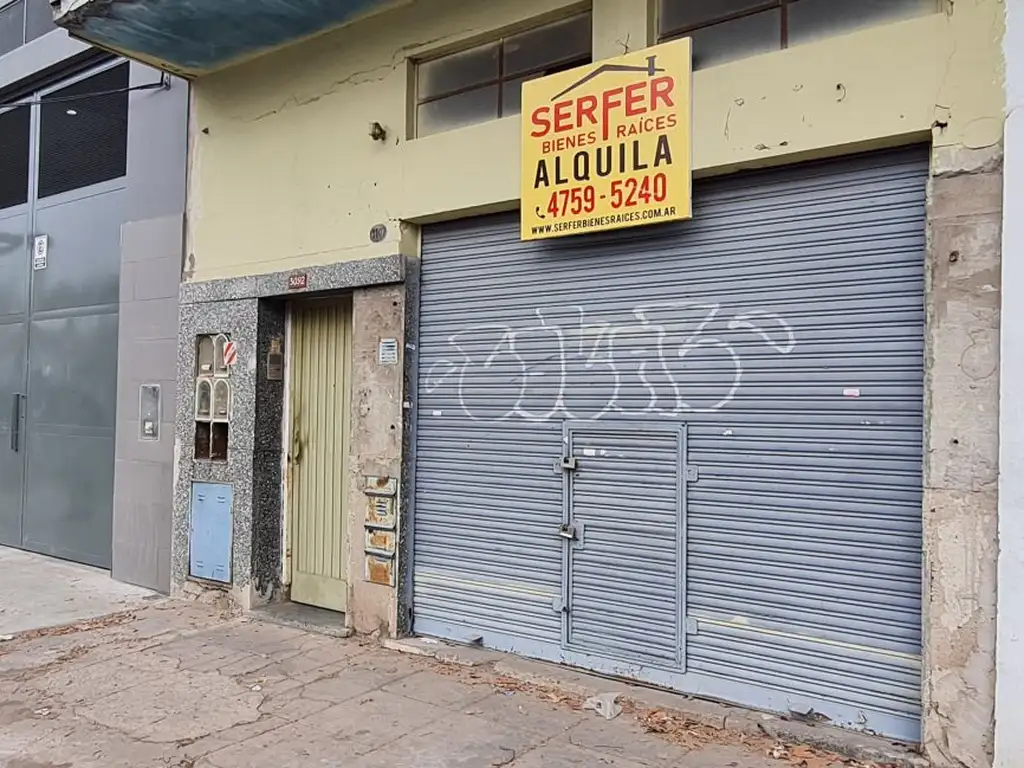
[{"x": 192, "y": 37}]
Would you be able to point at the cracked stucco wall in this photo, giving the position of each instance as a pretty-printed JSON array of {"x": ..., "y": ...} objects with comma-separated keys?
[
  {"x": 1009, "y": 737},
  {"x": 377, "y": 426},
  {"x": 961, "y": 455},
  {"x": 284, "y": 176},
  {"x": 961, "y": 469}
]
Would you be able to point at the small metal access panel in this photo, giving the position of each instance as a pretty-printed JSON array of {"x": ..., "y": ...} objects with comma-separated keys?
[{"x": 210, "y": 536}]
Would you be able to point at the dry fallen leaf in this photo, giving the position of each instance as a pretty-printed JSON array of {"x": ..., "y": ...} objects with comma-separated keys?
[{"x": 778, "y": 752}]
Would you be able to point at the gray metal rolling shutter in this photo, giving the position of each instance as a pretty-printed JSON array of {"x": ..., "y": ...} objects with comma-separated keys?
[{"x": 783, "y": 328}]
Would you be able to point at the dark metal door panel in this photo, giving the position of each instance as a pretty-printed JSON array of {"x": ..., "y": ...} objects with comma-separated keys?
[
  {"x": 70, "y": 473},
  {"x": 14, "y": 258},
  {"x": 72, "y": 380},
  {"x": 84, "y": 260},
  {"x": 13, "y": 305},
  {"x": 624, "y": 533},
  {"x": 12, "y": 437}
]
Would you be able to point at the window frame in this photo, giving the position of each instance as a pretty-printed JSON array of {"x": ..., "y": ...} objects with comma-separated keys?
[
  {"x": 762, "y": 7},
  {"x": 502, "y": 78},
  {"x": 766, "y": 5},
  {"x": 6, "y": 5},
  {"x": 44, "y": 99},
  {"x": 220, "y": 368},
  {"x": 218, "y": 378},
  {"x": 215, "y": 380},
  {"x": 31, "y": 102},
  {"x": 203, "y": 382},
  {"x": 27, "y": 158},
  {"x": 25, "y": 39}
]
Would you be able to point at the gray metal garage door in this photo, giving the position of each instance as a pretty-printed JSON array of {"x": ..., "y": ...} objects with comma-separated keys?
[
  {"x": 62, "y": 168},
  {"x": 689, "y": 454}
]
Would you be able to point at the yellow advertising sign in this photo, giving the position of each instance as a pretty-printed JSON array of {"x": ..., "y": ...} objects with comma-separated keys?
[{"x": 607, "y": 145}]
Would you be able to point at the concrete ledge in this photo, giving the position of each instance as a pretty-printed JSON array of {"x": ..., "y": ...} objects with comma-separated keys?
[
  {"x": 342, "y": 275},
  {"x": 450, "y": 654},
  {"x": 856, "y": 746},
  {"x": 304, "y": 617}
]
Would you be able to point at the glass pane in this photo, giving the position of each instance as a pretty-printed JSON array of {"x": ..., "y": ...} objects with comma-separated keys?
[
  {"x": 221, "y": 399},
  {"x": 458, "y": 71},
  {"x": 202, "y": 440},
  {"x": 219, "y": 442},
  {"x": 568, "y": 40},
  {"x": 813, "y": 19},
  {"x": 12, "y": 26},
  {"x": 219, "y": 343},
  {"x": 456, "y": 111},
  {"x": 746, "y": 36},
  {"x": 39, "y": 19},
  {"x": 14, "y": 132},
  {"x": 205, "y": 355},
  {"x": 512, "y": 90},
  {"x": 203, "y": 398},
  {"x": 674, "y": 15},
  {"x": 83, "y": 139}
]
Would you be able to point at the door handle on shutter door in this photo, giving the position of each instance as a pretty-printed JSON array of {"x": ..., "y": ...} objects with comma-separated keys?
[{"x": 16, "y": 423}]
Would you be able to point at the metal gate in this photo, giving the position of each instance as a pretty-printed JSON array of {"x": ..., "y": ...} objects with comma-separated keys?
[
  {"x": 782, "y": 332},
  {"x": 612, "y": 537},
  {"x": 62, "y": 168}
]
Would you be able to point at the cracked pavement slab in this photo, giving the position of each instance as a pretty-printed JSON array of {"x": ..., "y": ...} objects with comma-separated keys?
[{"x": 181, "y": 685}]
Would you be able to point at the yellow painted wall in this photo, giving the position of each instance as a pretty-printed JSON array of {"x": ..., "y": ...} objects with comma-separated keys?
[{"x": 284, "y": 174}]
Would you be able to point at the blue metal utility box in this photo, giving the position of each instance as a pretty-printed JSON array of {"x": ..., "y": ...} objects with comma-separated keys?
[{"x": 210, "y": 532}]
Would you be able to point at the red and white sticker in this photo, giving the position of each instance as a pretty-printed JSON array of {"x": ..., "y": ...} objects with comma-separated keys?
[
  {"x": 230, "y": 353},
  {"x": 851, "y": 393}
]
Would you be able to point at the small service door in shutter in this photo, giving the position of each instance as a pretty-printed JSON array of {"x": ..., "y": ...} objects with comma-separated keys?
[
  {"x": 625, "y": 558},
  {"x": 742, "y": 397}
]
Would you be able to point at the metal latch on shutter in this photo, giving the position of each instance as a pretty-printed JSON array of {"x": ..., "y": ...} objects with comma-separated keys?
[
  {"x": 568, "y": 531},
  {"x": 572, "y": 533},
  {"x": 692, "y": 473},
  {"x": 566, "y": 464}
]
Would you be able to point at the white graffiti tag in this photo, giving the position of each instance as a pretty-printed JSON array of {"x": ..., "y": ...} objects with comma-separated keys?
[{"x": 670, "y": 358}]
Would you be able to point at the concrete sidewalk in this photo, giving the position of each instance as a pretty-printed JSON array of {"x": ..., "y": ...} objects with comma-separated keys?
[
  {"x": 181, "y": 685},
  {"x": 37, "y": 592}
]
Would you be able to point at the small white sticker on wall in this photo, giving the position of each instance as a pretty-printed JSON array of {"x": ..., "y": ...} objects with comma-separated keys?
[
  {"x": 589, "y": 452},
  {"x": 851, "y": 393}
]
